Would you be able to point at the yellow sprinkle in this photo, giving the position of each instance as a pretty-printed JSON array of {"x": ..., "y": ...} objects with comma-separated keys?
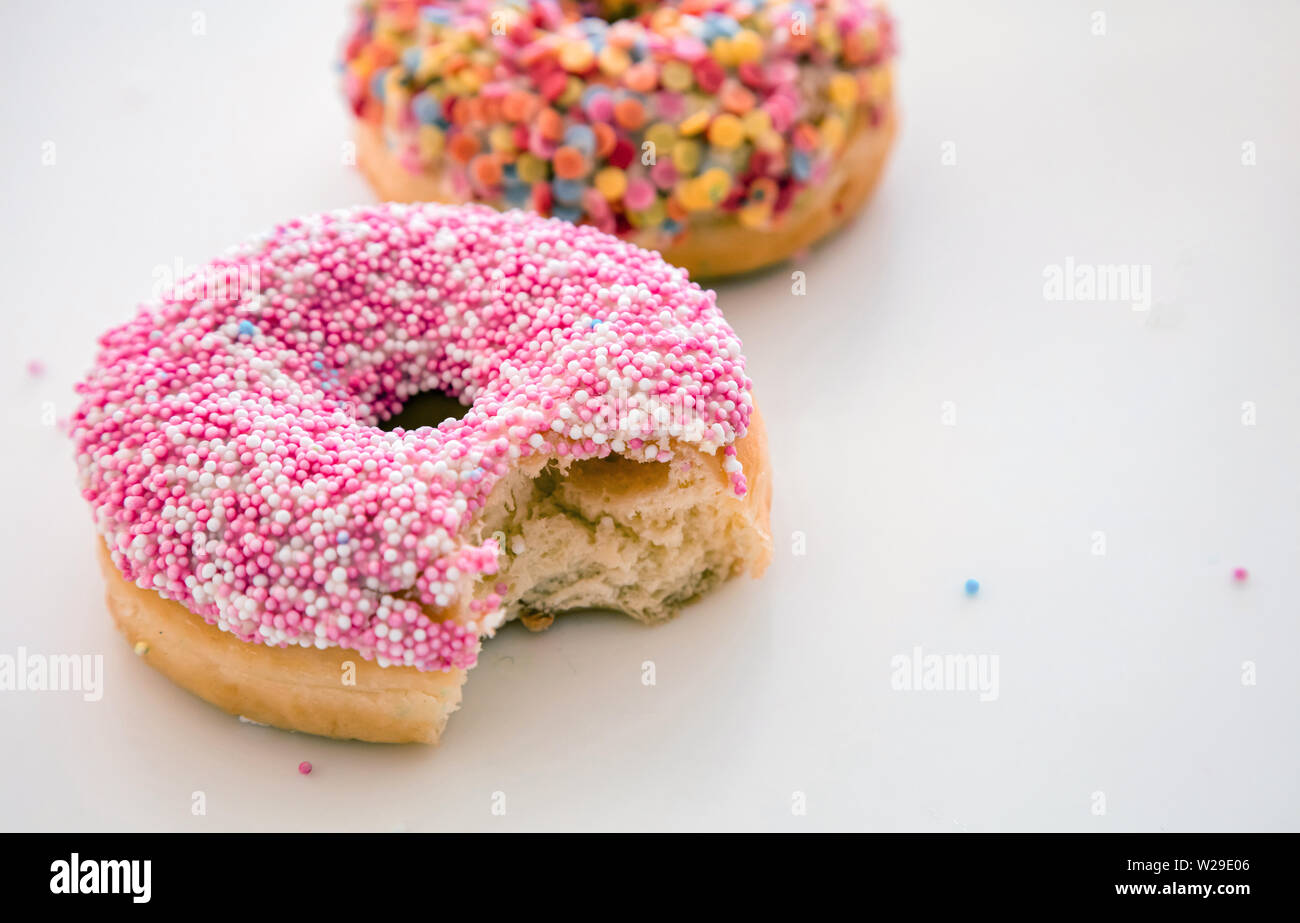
[
  {"x": 470, "y": 80},
  {"x": 746, "y": 46},
  {"x": 828, "y": 37},
  {"x": 726, "y": 130},
  {"x": 502, "y": 139},
  {"x": 662, "y": 135},
  {"x": 843, "y": 89},
  {"x": 692, "y": 196},
  {"x": 434, "y": 59},
  {"x": 531, "y": 168},
  {"x": 652, "y": 217},
  {"x": 576, "y": 57},
  {"x": 704, "y": 191},
  {"x": 141, "y": 648},
  {"x": 723, "y": 51},
  {"x": 769, "y": 141},
  {"x": 832, "y": 131},
  {"x": 431, "y": 142},
  {"x": 686, "y": 156},
  {"x": 695, "y": 196},
  {"x": 612, "y": 183},
  {"x": 757, "y": 123},
  {"x": 717, "y": 183},
  {"x": 572, "y": 91},
  {"x": 677, "y": 75},
  {"x": 429, "y": 64},
  {"x": 613, "y": 60},
  {"x": 694, "y": 124}
]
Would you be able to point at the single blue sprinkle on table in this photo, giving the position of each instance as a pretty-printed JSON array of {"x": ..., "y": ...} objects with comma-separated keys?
[{"x": 972, "y": 587}]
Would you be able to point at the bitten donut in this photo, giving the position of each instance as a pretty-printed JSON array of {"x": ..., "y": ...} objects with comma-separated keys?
[
  {"x": 727, "y": 134},
  {"x": 269, "y": 547}
]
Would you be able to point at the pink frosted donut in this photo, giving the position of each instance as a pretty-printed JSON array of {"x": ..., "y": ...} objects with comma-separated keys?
[{"x": 227, "y": 440}]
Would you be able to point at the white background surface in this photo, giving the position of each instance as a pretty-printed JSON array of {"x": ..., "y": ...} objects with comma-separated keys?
[{"x": 1118, "y": 673}]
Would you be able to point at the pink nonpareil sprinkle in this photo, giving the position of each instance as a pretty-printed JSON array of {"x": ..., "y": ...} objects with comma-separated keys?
[
  {"x": 305, "y": 768},
  {"x": 36, "y": 368},
  {"x": 1240, "y": 574}
]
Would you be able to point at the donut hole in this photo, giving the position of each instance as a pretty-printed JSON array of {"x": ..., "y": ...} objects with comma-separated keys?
[
  {"x": 427, "y": 408},
  {"x": 615, "y": 533}
]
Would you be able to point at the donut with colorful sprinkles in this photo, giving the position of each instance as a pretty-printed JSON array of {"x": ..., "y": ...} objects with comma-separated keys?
[
  {"x": 726, "y": 134},
  {"x": 275, "y": 546}
]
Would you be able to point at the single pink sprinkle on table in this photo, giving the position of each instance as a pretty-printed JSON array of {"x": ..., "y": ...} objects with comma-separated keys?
[
  {"x": 1240, "y": 574},
  {"x": 304, "y": 767},
  {"x": 36, "y": 368}
]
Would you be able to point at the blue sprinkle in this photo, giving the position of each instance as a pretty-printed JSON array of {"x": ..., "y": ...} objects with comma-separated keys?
[
  {"x": 411, "y": 58},
  {"x": 426, "y": 108},
  {"x": 377, "y": 84},
  {"x": 582, "y": 137},
  {"x": 437, "y": 15},
  {"x": 316, "y": 364},
  {"x": 344, "y": 538},
  {"x": 568, "y": 191},
  {"x": 671, "y": 226},
  {"x": 246, "y": 328},
  {"x": 510, "y": 171},
  {"x": 972, "y": 587},
  {"x": 801, "y": 165},
  {"x": 717, "y": 25},
  {"x": 518, "y": 193},
  {"x": 571, "y": 215},
  {"x": 476, "y": 473}
]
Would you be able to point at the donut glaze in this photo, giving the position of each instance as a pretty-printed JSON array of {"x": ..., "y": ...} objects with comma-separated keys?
[
  {"x": 678, "y": 114},
  {"x": 227, "y": 436}
]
